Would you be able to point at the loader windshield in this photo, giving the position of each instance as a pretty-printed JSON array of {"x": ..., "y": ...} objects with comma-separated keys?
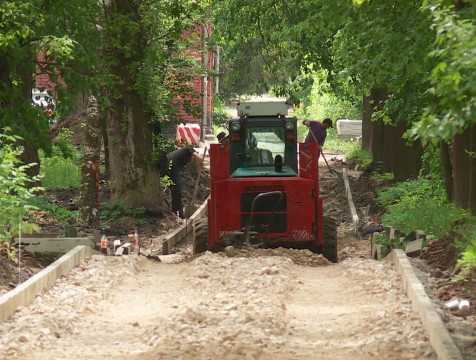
[{"x": 264, "y": 144}]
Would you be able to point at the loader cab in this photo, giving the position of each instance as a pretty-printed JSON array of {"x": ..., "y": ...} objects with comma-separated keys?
[{"x": 263, "y": 142}]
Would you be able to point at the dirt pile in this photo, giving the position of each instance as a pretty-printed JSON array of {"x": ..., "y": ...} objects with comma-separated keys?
[{"x": 298, "y": 257}]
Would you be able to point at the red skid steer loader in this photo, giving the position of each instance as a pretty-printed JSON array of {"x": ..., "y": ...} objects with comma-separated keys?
[{"x": 265, "y": 187}]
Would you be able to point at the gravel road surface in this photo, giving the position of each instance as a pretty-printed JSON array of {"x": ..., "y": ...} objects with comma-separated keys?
[{"x": 256, "y": 305}]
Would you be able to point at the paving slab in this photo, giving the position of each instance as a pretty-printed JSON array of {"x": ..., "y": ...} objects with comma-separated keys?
[{"x": 55, "y": 244}]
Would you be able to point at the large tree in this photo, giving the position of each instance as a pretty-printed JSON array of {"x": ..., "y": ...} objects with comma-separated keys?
[
  {"x": 150, "y": 62},
  {"x": 132, "y": 55}
]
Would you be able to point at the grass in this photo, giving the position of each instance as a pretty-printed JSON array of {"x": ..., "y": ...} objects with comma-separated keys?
[
  {"x": 356, "y": 156},
  {"x": 60, "y": 173},
  {"x": 117, "y": 209},
  {"x": 62, "y": 170},
  {"x": 42, "y": 204}
]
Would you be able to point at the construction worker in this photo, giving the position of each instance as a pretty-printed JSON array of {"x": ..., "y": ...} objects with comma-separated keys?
[
  {"x": 317, "y": 131},
  {"x": 177, "y": 159}
]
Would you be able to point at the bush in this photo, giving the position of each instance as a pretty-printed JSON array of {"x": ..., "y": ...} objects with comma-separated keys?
[
  {"x": 433, "y": 217},
  {"x": 467, "y": 246},
  {"x": 356, "y": 156},
  {"x": 15, "y": 192},
  {"x": 220, "y": 114},
  {"x": 63, "y": 169},
  {"x": 412, "y": 192},
  {"x": 419, "y": 204}
]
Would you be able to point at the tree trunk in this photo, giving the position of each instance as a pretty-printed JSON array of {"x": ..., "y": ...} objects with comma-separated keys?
[
  {"x": 385, "y": 143},
  {"x": 373, "y": 130},
  {"x": 89, "y": 190},
  {"x": 461, "y": 166},
  {"x": 472, "y": 169},
  {"x": 30, "y": 152},
  {"x": 133, "y": 177},
  {"x": 406, "y": 159},
  {"x": 447, "y": 169}
]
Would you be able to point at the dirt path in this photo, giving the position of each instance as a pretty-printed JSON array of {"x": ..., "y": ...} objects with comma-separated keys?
[{"x": 219, "y": 308}]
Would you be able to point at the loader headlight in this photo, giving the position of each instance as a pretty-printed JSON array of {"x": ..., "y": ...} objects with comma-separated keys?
[
  {"x": 235, "y": 126},
  {"x": 289, "y": 125}
]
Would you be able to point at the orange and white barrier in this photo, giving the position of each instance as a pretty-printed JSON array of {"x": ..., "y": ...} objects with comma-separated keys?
[{"x": 188, "y": 133}]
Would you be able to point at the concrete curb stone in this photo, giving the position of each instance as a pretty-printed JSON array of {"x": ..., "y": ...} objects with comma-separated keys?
[
  {"x": 26, "y": 292},
  {"x": 440, "y": 338}
]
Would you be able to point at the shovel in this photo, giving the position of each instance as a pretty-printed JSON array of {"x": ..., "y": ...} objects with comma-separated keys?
[
  {"x": 332, "y": 171},
  {"x": 191, "y": 208}
]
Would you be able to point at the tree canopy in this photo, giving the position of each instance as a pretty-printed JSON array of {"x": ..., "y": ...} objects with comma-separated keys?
[
  {"x": 411, "y": 61},
  {"x": 137, "y": 56},
  {"x": 422, "y": 53}
]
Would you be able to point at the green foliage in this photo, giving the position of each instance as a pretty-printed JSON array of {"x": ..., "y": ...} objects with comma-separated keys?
[
  {"x": 433, "y": 217},
  {"x": 40, "y": 203},
  {"x": 412, "y": 192},
  {"x": 146, "y": 51},
  {"x": 165, "y": 182},
  {"x": 383, "y": 45},
  {"x": 467, "y": 262},
  {"x": 61, "y": 30},
  {"x": 468, "y": 259},
  {"x": 333, "y": 143},
  {"x": 356, "y": 156},
  {"x": 60, "y": 214},
  {"x": 419, "y": 204},
  {"x": 431, "y": 163},
  {"x": 65, "y": 160},
  {"x": 15, "y": 190},
  {"x": 220, "y": 113},
  {"x": 60, "y": 173},
  {"x": 64, "y": 147},
  {"x": 379, "y": 178},
  {"x": 323, "y": 102},
  {"x": 117, "y": 209},
  {"x": 453, "y": 77},
  {"x": 389, "y": 244}
]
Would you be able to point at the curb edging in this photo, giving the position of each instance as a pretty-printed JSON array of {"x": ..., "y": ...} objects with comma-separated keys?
[
  {"x": 440, "y": 338},
  {"x": 178, "y": 235},
  {"x": 26, "y": 292},
  {"x": 348, "y": 191}
]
